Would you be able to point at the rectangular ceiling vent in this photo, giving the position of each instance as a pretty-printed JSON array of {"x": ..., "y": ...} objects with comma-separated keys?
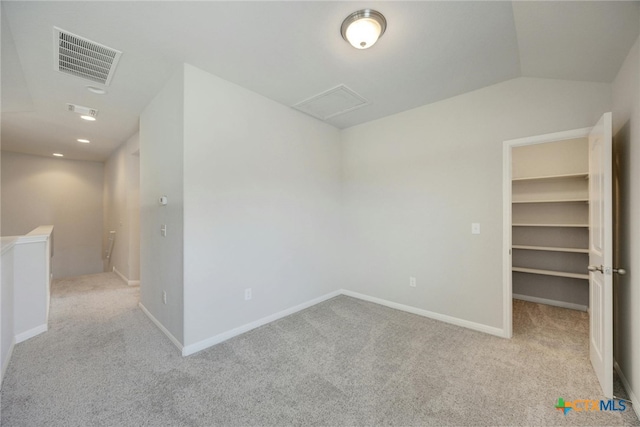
[
  {"x": 84, "y": 58},
  {"x": 332, "y": 102}
]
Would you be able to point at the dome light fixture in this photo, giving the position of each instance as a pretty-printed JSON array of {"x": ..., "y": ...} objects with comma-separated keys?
[{"x": 363, "y": 28}]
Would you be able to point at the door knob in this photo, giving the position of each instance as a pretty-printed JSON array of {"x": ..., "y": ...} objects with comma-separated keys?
[
  {"x": 595, "y": 268},
  {"x": 620, "y": 271}
]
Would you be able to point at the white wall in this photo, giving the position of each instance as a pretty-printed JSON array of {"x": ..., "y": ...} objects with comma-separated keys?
[
  {"x": 32, "y": 279},
  {"x": 262, "y": 200},
  {"x": 415, "y": 181},
  {"x": 121, "y": 209},
  {"x": 115, "y": 211},
  {"x": 626, "y": 120},
  {"x": 64, "y": 193},
  {"x": 161, "y": 173},
  {"x": 6, "y": 304},
  {"x": 133, "y": 207}
]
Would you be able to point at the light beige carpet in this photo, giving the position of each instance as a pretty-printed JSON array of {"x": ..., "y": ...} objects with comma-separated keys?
[{"x": 341, "y": 362}]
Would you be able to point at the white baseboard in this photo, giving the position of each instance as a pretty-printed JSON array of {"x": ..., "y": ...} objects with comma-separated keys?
[
  {"x": 206, "y": 343},
  {"x": 169, "y": 335},
  {"x": 553, "y": 302},
  {"x": 431, "y": 315},
  {"x": 5, "y": 363},
  {"x": 23, "y": 336},
  {"x": 635, "y": 403},
  {"x": 124, "y": 278},
  {"x": 120, "y": 275},
  {"x": 216, "y": 339}
]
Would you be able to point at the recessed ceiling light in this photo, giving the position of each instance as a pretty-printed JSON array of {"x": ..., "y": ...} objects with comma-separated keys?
[
  {"x": 363, "y": 28},
  {"x": 84, "y": 141},
  {"x": 58, "y": 155},
  {"x": 88, "y": 118},
  {"x": 96, "y": 90}
]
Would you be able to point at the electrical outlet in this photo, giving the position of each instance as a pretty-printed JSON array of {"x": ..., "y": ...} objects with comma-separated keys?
[
  {"x": 412, "y": 282},
  {"x": 247, "y": 294},
  {"x": 164, "y": 297}
]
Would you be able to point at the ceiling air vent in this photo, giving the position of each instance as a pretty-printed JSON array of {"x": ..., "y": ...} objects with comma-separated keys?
[
  {"x": 84, "y": 58},
  {"x": 331, "y": 103}
]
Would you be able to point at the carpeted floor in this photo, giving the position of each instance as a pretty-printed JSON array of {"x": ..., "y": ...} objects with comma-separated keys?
[{"x": 341, "y": 362}]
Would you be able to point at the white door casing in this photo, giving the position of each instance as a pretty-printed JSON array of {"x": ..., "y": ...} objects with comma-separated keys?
[
  {"x": 601, "y": 253},
  {"x": 507, "y": 214}
]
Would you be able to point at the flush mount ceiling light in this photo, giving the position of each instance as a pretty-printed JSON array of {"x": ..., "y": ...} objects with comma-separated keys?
[
  {"x": 88, "y": 118},
  {"x": 363, "y": 28},
  {"x": 84, "y": 141},
  {"x": 58, "y": 155}
]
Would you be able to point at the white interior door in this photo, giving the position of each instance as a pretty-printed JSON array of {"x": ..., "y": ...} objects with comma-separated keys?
[{"x": 601, "y": 253}]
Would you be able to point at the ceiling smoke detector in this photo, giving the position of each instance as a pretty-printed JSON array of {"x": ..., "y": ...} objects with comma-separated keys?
[
  {"x": 96, "y": 90},
  {"x": 84, "y": 58}
]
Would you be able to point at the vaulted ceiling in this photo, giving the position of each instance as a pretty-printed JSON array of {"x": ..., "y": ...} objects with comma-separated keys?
[{"x": 289, "y": 52}]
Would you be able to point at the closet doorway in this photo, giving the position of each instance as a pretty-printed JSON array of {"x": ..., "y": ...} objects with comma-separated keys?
[
  {"x": 550, "y": 223},
  {"x": 557, "y": 196}
]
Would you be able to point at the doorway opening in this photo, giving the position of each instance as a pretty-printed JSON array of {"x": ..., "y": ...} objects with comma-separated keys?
[
  {"x": 546, "y": 219},
  {"x": 550, "y": 243},
  {"x": 542, "y": 209},
  {"x": 550, "y": 223}
]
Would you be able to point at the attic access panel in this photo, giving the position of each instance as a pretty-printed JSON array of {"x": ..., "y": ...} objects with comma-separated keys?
[{"x": 331, "y": 103}]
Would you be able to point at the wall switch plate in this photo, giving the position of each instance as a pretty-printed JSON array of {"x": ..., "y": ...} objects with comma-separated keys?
[
  {"x": 247, "y": 294},
  {"x": 163, "y": 230},
  {"x": 164, "y": 297},
  {"x": 475, "y": 228},
  {"x": 412, "y": 282}
]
